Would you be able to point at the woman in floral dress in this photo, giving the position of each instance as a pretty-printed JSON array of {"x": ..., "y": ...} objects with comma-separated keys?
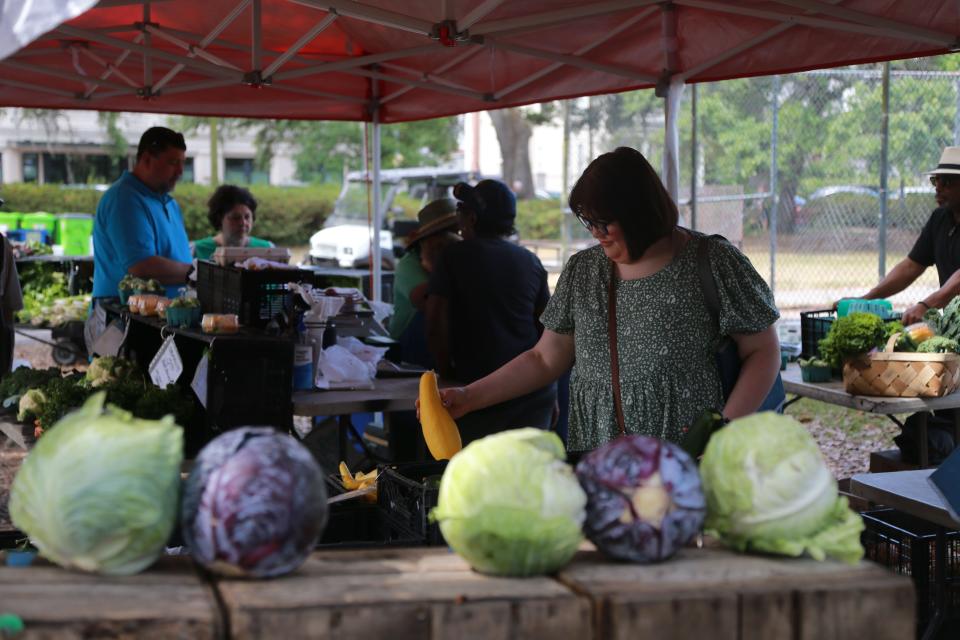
[{"x": 666, "y": 337}]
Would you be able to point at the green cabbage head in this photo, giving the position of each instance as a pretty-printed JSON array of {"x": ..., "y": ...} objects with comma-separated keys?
[
  {"x": 768, "y": 489},
  {"x": 99, "y": 492},
  {"x": 510, "y": 505}
]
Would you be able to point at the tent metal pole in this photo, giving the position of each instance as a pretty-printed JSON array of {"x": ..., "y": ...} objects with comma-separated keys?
[
  {"x": 613, "y": 33},
  {"x": 933, "y": 37},
  {"x": 884, "y": 170},
  {"x": 561, "y": 16},
  {"x": 256, "y": 36},
  {"x": 774, "y": 186},
  {"x": 376, "y": 259},
  {"x": 147, "y": 54},
  {"x": 573, "y": 61}
]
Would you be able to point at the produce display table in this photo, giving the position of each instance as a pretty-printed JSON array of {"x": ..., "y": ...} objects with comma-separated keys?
[
  {"x": 833, "y": 393},
  {"x": 170, "y": 600},
  {"x": 431, "y": 593}
]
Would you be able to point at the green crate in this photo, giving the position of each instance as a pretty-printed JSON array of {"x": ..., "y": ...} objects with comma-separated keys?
[
  {"x": 41, "y": 221},
  {"x": 9, "y": 221},
  {"x": 73, "y": 232}
]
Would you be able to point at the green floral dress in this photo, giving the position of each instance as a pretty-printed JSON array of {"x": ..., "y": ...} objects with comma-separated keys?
[{"x": 665, "y": 339}]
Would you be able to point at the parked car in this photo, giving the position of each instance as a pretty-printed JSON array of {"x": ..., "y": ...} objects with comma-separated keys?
[{"x": 346, "y": 236}]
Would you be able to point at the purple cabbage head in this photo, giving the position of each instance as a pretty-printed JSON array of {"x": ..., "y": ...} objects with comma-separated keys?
[
  {"x": 254, "y": 505},
  {"x": 644, "y": 498}
]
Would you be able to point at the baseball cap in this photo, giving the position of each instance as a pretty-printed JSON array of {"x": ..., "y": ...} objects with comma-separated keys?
[{"x": 490, "y": 199}]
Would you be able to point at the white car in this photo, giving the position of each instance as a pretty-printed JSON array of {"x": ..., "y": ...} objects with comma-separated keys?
[{"x": 346, "y": 237}]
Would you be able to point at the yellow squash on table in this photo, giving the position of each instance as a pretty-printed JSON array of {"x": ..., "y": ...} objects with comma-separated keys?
[{"x": 439, "y": 429}]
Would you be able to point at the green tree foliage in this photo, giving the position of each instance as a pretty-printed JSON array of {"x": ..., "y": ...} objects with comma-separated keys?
[{"x": 324, "y": 149}]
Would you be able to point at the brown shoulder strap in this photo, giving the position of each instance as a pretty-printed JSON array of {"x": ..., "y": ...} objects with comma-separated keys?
[{"x": 614, "y": 356}]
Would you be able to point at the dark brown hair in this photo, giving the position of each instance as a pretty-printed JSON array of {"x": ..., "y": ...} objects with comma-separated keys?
[
  {"x": 622, "y": 187},
  {"x": 156, "y": 140},
  {"x": 225, "y": 198}
]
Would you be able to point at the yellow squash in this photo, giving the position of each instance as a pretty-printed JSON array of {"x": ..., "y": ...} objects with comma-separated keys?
[{"x": 439, "y": 429}]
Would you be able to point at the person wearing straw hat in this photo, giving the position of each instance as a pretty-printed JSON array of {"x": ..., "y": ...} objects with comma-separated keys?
[
  {"x": 437, "y": 227},
  {"x": 938, "y": 244}
]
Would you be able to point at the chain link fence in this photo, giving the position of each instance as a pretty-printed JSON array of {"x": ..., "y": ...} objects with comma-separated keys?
[{"x": 838, "y": 155}]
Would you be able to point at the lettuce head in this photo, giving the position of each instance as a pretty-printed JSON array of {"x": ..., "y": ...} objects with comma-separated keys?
[
  {"x": 768, "y": 489},
  {"x": 99, "y": 492},
  {"x": 510, "y": 505}
]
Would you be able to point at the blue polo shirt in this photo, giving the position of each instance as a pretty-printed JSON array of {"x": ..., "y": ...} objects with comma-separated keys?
[{"x": 134, "y": 223}]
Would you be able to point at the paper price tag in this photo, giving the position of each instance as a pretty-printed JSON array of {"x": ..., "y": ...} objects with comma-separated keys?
[
  {"x": 199, "y": 383},
  {"x": 166, "y": 365},
  {"x": 110, "y": 340},
  {"x": 94, "y": 327}
]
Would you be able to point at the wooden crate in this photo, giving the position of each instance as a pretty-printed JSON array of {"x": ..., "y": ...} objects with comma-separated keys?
[
  {"x": 400, "y": 594},
  {"x": 716, "y": 594},
  {"x": 170, "y": 600}
]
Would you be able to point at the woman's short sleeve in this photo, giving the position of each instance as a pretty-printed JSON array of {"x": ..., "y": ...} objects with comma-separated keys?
[
  {"x": 746, "y": 302},
  {"x": 558, "y": 316}
]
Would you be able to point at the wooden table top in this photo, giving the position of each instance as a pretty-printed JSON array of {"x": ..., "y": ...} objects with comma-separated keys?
[
  {"x": 833, "y": 393},
  {"x": 906, "y": 491}
]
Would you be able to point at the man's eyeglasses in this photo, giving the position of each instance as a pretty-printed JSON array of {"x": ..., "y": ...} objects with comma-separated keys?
[
  {"x": 943, "y": 180},
  {"x": 590, "y": 225}
]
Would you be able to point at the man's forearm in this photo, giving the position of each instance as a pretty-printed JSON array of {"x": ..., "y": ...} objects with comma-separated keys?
[
  {"x": 165, "y": 270},
  {"x": 942, "y": 296},
  {"x": 899, "y": 278}
]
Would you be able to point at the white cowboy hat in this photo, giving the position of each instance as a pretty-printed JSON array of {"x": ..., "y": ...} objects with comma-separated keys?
[{"x": 949, "y": 162}]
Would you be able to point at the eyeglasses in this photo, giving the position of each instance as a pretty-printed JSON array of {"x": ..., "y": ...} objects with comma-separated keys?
[
  {"x": 590, "y": 225},
  {"x": 943, "y": 180}
]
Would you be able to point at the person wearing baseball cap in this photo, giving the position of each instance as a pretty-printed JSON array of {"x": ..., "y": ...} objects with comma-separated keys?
[
  {"x": 483, "y": 307},
  {"x": 437, "y": 227},
  {"x": 938, "y": 244}
]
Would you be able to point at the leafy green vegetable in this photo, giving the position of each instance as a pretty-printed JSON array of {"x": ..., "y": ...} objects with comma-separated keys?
[
  {"x": 853, "y": 335},
  {"x": 99, "y": 492},
  {"x": 183, "y": 301},
  {"x": 31, "y": 404},
  {"x": 106, "y": 369},
  {"x": 938, "y": 344},
  {"x": 510, "y": 505},
  {"x": 768, "y": 489},
  {"x": 950, "y": 322},
  {"x": 18, "y": 381}
]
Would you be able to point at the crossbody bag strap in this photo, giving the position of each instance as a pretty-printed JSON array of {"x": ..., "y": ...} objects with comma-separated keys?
[
  {"x": 707, "y": 284},
  {"x": 614, "y": 356}
]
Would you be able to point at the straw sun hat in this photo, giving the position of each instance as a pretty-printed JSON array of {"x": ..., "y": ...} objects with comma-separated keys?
[
  {"x": 439, "y": 215},
  {"x": 949, "y": 162}
]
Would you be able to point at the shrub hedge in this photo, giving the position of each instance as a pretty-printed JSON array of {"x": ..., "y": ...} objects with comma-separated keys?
[{"x": 286, "y": 215}]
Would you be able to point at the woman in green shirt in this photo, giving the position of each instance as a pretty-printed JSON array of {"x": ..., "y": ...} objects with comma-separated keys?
[
  {"x": 666, "y": 338},
  {"x": 232, "y": 211}
]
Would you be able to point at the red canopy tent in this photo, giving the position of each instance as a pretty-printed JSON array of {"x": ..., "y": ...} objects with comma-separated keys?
[{"x": 391, "y": 61}]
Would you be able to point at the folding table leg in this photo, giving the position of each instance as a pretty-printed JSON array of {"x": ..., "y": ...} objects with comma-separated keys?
[{"x": 922, "y": 435}]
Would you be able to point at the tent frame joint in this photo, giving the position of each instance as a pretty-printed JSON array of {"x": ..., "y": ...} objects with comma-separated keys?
[
  {"x": 141, "y": 25},
  {"x": 254, "y": 78},
  {"x": 146, "y": 92},
  {"x": 447, "y": 34},
  {"x": 663, "y": 83}
]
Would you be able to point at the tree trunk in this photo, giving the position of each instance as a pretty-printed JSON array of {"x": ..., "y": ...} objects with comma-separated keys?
[{"x": 513, "y": 134}]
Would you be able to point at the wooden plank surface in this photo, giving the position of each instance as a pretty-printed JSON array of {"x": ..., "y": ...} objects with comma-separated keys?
[
  {"x": 169, "y": 600},
  {"x": 906, "y": 491},
  {"x": 717, "y": 594},
  {"x": 400, "y": 594},
  {"x": 833, "y": 393}
]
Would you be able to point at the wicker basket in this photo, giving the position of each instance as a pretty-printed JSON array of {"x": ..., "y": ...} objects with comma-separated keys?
[{"x": 902, "y": 375}]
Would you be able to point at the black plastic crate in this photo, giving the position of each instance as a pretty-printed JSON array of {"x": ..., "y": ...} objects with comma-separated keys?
[
  {"x": 406, "y": 493},
  {"x": 906, "y": 545},
  {"x": 250, "y": 382},
  {"x": 255, "y": 296},
  {"x": 814, "y": 325},
  {"x": 358, "y": 524}
]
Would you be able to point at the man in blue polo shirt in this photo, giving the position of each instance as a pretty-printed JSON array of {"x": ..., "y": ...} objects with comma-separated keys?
[{"x": 138, "y": 228}]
